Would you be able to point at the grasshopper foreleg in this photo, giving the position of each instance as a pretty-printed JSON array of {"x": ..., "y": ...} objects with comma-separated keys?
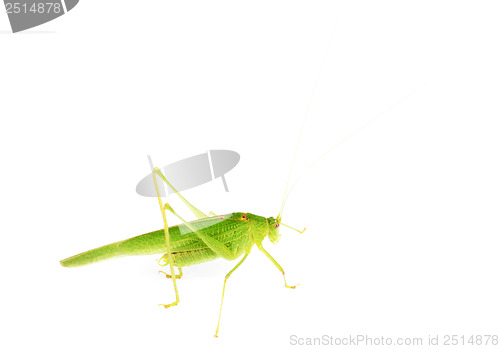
[{"x": 276, "y": 264}]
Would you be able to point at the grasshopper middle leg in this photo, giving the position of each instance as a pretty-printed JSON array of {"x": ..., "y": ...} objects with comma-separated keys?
[{"x": 224, "y": 289}]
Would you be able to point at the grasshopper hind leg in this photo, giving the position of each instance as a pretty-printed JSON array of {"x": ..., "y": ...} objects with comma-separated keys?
[
  {"x": 167, "y": 242},
  {"x": 177, "y": 276},
  {"x": 165, "y": 263}
]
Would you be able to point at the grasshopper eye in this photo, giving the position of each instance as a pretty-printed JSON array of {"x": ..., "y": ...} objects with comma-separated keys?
[{"x": 276, "y": 225}]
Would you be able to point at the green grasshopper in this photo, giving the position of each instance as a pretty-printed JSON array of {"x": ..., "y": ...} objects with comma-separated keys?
[{"x": 207, "y": 238}]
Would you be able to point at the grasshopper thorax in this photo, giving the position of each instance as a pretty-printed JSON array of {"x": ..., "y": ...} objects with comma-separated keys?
[{"x": 260, "y": 227}]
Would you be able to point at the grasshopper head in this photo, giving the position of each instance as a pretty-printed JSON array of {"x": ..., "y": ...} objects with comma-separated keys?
[{"x": 274, "y": 230}]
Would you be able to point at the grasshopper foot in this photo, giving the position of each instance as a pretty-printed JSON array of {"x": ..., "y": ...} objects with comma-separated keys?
[
  {"x": 169, "y": 305},
  {"x": 284, "y": 279},
  {"x": 168, "y": 276}
]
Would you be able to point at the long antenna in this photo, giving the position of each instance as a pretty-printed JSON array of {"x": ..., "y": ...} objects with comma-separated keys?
[
  {"x": 348, "y": 137},
  {"x": 304, "y": 122}
]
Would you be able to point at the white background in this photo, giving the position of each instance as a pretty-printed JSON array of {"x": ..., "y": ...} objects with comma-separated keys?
[{"x": 402, "y": 219}]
